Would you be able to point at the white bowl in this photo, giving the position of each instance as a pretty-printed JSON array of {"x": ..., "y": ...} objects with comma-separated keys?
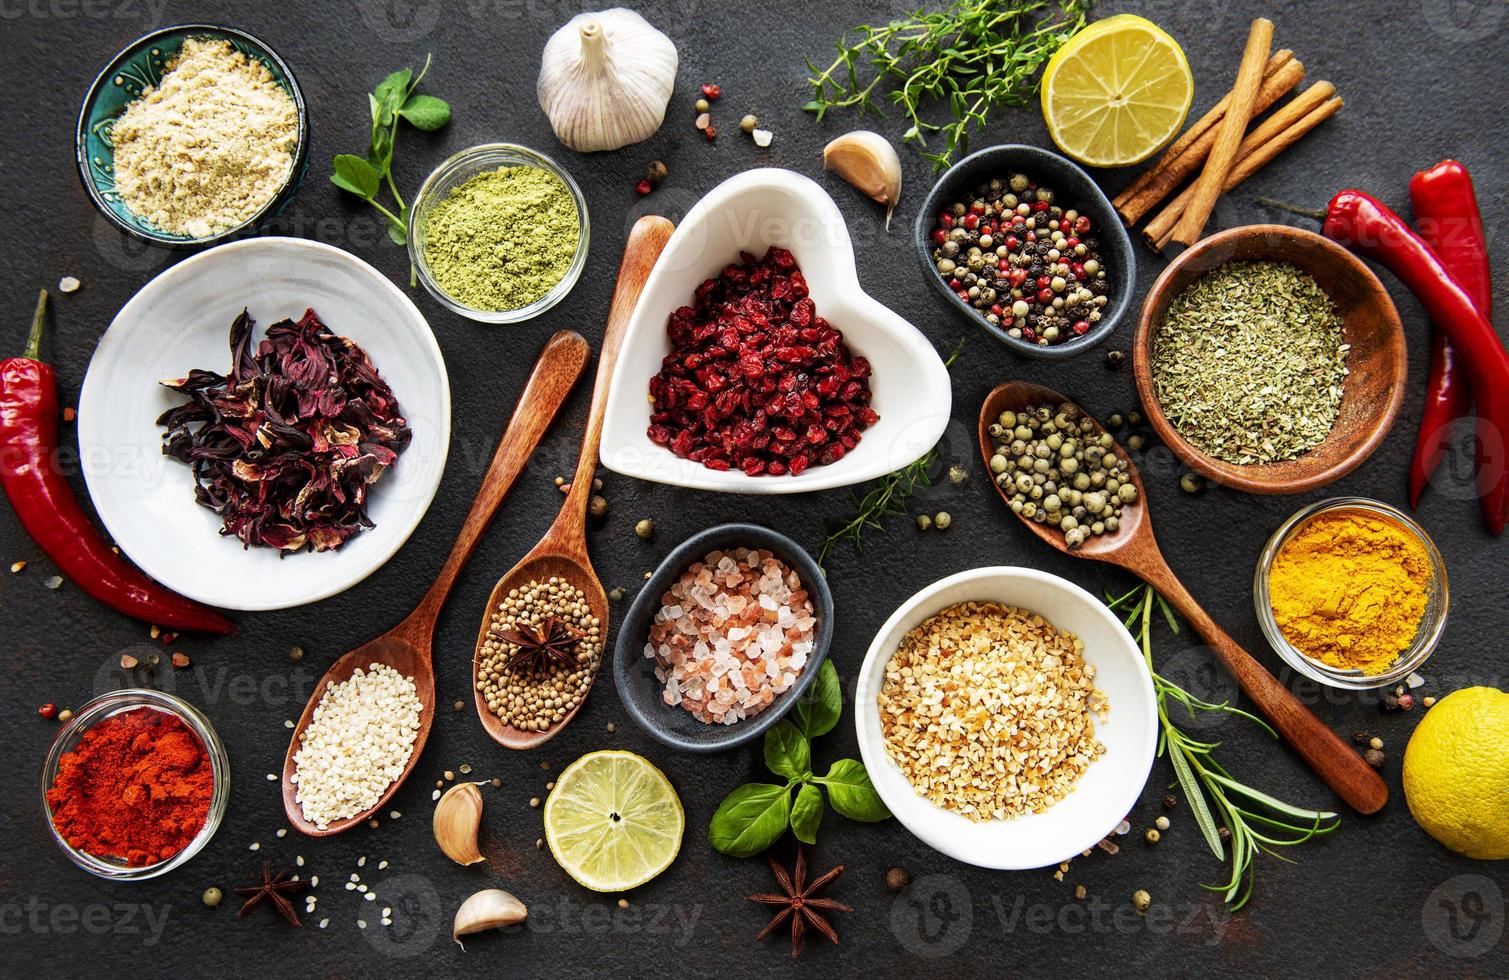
[
  {"x": 751, "y": 212},
  {"x": 181, "y": 320},
  {"x": 1106, "y": 792}
]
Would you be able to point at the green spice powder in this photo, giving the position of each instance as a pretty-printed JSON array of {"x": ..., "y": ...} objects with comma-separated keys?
[
  {"x": 503, "y": 239},
  {"x": 1248, "y": 362}
]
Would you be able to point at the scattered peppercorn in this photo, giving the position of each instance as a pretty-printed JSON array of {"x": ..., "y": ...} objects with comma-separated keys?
[
  {"x": 534, "y": 801},
  {"x": 942, "y": 520},
  {"x": 65, "y": 714},
  {"x": 897, "y": 879},
  {"x": 1361, "y": 738},
  {"x": 1080, "y": 892},
  {"x": 496, "y": 782},
  {"x": 703, "y": 105},
  {"x": 180, "y": 660},
  {"x": 539, "y": 843},
  {"x": 1161, "y": 823},
  {"x": 645, "y": 529},
  {"x": 712, "y": 91},
  {"x": 1115, "y": 359},
  {"x": 1406, "y": 702},
  {"x": 1115, "y": 421},
  {"x": 924, "y": 522},
  {"x": 643, "y": 187},
  {"x": 711, "y": 132},
  {"x": 48, "y": 711},
  {"x": 1375, "y": 742},
  {"x": 212, "y": 897},
  {"x": 1191, "y": 483},
  {"x": 1152, "y": 836},
  {"x": 749, "y": 123},
  {"x": 1224, "y": 833},
  {"x": 1170, "y": 801},
  {"x": 1428, "y": 701},
  {"x": 1141, "y": 901},
  {"x": 615, "y": 594},
  {"x": 458, "y": 705},
  {"x": 957, "y": 474},
  {"x": 598, "y": 507},
  {"x": 296, "y": 653},
  {"x": 17, "y": 567},
  {"x": 654, "y": 173},
  {"x": 623, "y": 903},
  {"x": 1375, "y": 758}
]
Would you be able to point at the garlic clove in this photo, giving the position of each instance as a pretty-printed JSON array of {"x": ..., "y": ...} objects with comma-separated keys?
[
  {"x": 606, "y": 79},
  {"x": 491, "y": 908},
  {"x": 458, "y": 816},
  {"x": 869, "y": 162}
]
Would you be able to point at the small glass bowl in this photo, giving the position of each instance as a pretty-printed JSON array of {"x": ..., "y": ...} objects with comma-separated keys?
[
  {"x": 1431, "y": 623},
  {"x": 457, "y": 171},
  {"x": 119, "y": 702}
]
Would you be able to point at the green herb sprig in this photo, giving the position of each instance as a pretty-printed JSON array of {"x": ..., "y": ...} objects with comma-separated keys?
[
  {"x": 754, "y": 816},
  {"x": 1254, "y": 820},
  {"x": 393, "y": 99},
  {"x": 886, "y": 497},
  {"x": 972, "y": 55}
]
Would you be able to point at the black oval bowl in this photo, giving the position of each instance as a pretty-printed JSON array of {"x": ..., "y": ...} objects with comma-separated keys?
[
  {"x": 634, "y": 673},
  {"x": 1070, "y": 185}
]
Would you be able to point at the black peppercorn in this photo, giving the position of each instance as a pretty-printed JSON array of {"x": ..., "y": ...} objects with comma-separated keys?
[{"x": 1115, "y": 358}]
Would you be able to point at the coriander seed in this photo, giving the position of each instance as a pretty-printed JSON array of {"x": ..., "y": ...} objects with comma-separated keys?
[{"x": 897, "y": 879}]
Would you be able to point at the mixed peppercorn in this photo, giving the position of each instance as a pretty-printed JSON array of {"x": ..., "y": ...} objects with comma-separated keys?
[{"x": 1026, "y": 264}]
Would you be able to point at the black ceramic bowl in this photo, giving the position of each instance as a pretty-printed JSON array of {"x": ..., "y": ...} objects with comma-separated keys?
[
  {"x": 634, "y": 673},
  {"x": 1073, "y": 188}
]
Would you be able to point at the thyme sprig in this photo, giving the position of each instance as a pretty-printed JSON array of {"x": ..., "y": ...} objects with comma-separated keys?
[
  {"x": 1254, "y": 820},
  {"x": 886, "y": 497},
  {"x": 973, "y": 54}
]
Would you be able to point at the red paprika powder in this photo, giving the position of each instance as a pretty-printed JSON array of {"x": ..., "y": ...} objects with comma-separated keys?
[{"x": 136, "y": 788}]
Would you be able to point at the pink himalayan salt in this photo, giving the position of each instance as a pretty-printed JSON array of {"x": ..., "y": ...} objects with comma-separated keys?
[{"x": 733, "y": 631}]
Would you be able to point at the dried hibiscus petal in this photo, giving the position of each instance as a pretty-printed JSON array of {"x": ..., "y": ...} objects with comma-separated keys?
[
  {"x": 756, "y": 378},
  {"x": 284, "y": 447}
]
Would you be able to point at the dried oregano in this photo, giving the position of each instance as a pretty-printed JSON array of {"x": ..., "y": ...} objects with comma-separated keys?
[{"x": 1248, "y": 362}]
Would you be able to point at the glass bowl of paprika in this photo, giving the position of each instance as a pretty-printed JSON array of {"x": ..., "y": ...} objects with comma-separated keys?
[
  {"x": 1352, "y": 593},
  {"x": 135, "y": 784}
]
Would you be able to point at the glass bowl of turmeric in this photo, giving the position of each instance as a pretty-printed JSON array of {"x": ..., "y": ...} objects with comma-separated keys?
[
  {"x": 1352, "y": 593},
  {"x": 135, "y": 784}
]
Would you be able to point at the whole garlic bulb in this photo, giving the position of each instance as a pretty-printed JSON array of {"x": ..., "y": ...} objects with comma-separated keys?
[{"x": 605, "y": 80}]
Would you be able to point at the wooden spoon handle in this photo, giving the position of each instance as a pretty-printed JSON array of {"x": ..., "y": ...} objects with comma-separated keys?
[
  {"x": 647, "y": 240},
  {"x": 555, "y": 374},
  {"x": 1337, "y": 763}
]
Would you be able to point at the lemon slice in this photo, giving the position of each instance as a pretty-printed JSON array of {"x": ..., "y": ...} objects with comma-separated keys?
[
  {"x": 1116, "y": 92},
  {"x": 613, "y": 821}
]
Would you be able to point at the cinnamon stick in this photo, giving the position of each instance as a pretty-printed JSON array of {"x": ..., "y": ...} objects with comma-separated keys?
[
  {"x": 1223, "y": 151},
  {"x": 1160, "y": 231},
  {"x": 1190, "y": 150}
]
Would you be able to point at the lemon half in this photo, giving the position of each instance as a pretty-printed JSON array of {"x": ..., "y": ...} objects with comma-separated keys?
[
  {"x": 1456, "y": 772},
  {"x": 613, "y": 821},
  {"x": 1117, "y": 92}
]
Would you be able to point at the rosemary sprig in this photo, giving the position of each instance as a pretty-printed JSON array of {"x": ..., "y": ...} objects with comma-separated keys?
[
  {"x": 886, "y": 497},
  {"x": 973, "y": 54},
  {"x": 1254, "y": 820}
]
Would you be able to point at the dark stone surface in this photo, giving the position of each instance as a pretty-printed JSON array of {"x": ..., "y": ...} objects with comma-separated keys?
[{"x": 1421, "y": 78}]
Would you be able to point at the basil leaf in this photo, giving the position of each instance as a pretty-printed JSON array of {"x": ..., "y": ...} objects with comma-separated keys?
[
  {"x": 851, "y": 793},
  {"x": 807, "y": 813},
  {"x": 426, "y": 112},
  {"x": 786, "y": 751},
  {"x": 750, "y": 819},
  {"x": 356, "y": 175},
  {"x": 821, "y": 704}
]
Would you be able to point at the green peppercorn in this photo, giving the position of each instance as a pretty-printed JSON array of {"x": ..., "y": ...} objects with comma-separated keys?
[
  {"x": 924, "y": 522},
  {"x": 1191, "y": 483},
  {"x": 749, "y": 123},
  {"x": 703, "y": 105},
  {"x": 942, "y": 520},
  {"x": 645, "y": 529},
  {"x": 212, "y": 897}
]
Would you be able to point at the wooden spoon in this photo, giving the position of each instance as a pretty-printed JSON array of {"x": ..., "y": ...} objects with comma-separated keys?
[
  {"x": 407, "y": 647},
  {"x": 1133, "y": 547},
  {"x": 562, "y": 552}
]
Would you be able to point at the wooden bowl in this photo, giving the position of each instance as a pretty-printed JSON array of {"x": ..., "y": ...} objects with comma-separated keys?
[{"x": 1376, "y": 364}]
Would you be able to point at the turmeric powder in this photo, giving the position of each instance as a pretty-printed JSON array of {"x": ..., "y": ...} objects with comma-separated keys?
[{"x": 1349, "y": 589}]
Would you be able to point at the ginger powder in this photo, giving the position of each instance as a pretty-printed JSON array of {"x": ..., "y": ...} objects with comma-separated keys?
[{"x": 209, "y": 146}]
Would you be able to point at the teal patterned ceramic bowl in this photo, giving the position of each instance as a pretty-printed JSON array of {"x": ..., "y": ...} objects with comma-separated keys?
[{"x": 140, "y": 64}]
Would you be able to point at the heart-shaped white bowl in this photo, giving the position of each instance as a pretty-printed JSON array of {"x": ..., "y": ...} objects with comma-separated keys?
[
  {"x": 1103, "y": 795},
  {"x": 181, "y": 320},
  {"x": 750, "y": 212}
]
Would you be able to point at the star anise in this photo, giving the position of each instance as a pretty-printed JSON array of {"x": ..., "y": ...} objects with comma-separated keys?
[
  {"x": 274, "y": 888},
  {"x": 801, "y": 906},
  {"x": 540, "y": 646}
]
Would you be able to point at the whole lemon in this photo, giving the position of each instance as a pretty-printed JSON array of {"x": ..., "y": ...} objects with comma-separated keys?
[{"x": 1456, "y": 772}]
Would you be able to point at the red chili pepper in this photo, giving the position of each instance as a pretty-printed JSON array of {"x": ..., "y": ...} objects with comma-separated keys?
[
  {"x": 1446, "y": 213},
  {"x": 1368, "y": 226},
  {"x": 52, "y": 516}
]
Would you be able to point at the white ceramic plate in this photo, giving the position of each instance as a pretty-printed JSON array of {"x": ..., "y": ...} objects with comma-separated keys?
[
  {"x": 750, "y": 212},
  {"x": 181, "y": 320},
  {"x": 1107, "y": 791}
]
